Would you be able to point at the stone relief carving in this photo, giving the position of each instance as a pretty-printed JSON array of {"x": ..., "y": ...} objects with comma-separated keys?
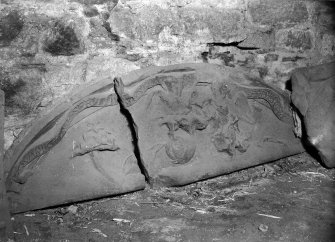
[
  {"x": 83, "y": 151},
  {"x": 95, "y": 139},
  {"x": 30, "y": 158},
  {"x": 98, "y": 139},
  {"x": 204, "y": 118},
  {"x": 168, "y": 125}
]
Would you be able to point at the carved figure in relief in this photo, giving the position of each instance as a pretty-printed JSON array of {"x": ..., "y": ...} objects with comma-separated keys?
[
  {"x": 94, "y": 139},
  {"x": 168, "y": 125}
]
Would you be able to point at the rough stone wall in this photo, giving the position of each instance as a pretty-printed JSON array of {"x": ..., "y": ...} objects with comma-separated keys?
[{"x": 49, "y": 47}]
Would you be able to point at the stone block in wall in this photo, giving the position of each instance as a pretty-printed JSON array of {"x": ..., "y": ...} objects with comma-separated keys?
[
  {"x": 63, "y": 38},
  {"x": 294, "y": 39},
  {"x": 227, "y": 4},
  {"x": 11, "y": 24},
  {"x": 222, "y": 25},
  {"x": 23, "y": 86},
  {"x": 324, "y": 17},
  {"x": 270, "y": 57},
  {"x": 277, "y": 13},
  {"x": 260, "y": 39},
  {"x": 327, "y": 45},
  {"x": 145, "y": 23},
  {"x": 89, "y": 2},
  {"x": 20, "y": 33}
]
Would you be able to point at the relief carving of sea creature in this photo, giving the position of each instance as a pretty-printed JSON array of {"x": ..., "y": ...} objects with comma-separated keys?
[{"x": 167, "y": 126}]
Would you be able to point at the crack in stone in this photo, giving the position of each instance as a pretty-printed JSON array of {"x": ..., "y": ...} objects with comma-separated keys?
[
  {"x": 233, "y": 44},
  {"x": 118, "y": 87}
]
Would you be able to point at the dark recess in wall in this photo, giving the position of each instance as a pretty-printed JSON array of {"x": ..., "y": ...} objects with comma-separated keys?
[
  {"x": 10, "y": 27},
  {"x": 10, "y": 88},
  {"x": 62, "y": 41},
  {"x": 111, "y": 35},
  {"x": 233, "y": 44}
]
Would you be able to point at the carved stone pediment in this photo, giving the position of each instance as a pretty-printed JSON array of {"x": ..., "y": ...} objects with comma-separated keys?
[
  {"x": 198, "y": 121},
  {"x": 79, "y": 151},
  {"x": 167, "y": 125}
]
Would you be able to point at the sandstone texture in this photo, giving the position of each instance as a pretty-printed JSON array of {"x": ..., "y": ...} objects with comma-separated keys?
[
  {"x": 48, "y": 48},
  {"x": 314, "y": 97},
  {"x": 6, "y": 229},
  {"x": 196, "y": 121},
  {"x": 81, "y": 150},
  {"x": 284, "y": 13},
  {"x": 165, "y": 126}
]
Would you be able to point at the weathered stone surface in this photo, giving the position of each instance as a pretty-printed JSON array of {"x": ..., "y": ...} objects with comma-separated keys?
[
  {"x": 324, "y": 16},
  {"x": 22, "y": 84},
  {"x": 327, "y": 45},
  {"x": 196, "y": 121},
  {"x": 91, "y": 11},
  {"x": 90, "y": 2},
  {"x": 150, "y": 21},
  {"x": 221, "y": 24},
  {"x": 171, "y": 125},
  {"x": 283, "y": 13},
  {"x": 271, "y": 57},
  {"x": 5, "y": 222},
  {"x": 62, "y": 40},
  {"x": 314, "y": 96},
  {"x": 294, "y": 39},
  {"x": 101, "y": 32},
  {"x": 81, "y": 150},
  {"x": 11, "y": 24},
  {"x": 27, "y": 42},
  {"x": 143, "y": 33},
  {"x": 261, "y": 39}
]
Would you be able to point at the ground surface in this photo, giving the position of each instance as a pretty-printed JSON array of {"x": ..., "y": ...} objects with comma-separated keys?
[{"x": 289, "y": 200}]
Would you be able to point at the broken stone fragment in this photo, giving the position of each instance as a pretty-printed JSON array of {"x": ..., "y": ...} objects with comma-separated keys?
[
  {"x": 169, "y": 126},
  {"x": 6, "y": 230},
  {"x": 81, "y": 150},
  {"x": 313, "y": 94},
  {"x": 196, "y": 121}
]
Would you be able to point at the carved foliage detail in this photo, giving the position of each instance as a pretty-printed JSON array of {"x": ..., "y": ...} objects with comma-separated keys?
[
  {"x": 214, "y": 108},
  {"x": 232, "y": 108}
]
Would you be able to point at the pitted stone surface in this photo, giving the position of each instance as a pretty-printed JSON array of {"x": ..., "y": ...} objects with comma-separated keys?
[
  {"x": 295, "y": 39},
  {"x": 196, "y": 121},
  {"x": 169, "y": 125},
  {"x": 150, "y": 21},
  {"x": 11, "y": 24},
  {"x": 285, "y": 13},
  {"x": 81, "y": 150},
  {"x": 314, "y": 94}
]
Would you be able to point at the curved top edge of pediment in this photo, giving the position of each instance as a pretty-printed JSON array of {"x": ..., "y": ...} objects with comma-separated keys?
[{"x": 141, "y": 74}]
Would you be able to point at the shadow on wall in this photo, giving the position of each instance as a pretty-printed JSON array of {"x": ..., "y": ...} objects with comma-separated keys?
[
  {"x": 10, "y": 27},
  {"x": 62, "y": 40}
]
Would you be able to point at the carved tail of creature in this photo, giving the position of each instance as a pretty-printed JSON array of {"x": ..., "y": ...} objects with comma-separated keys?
[
  {"x": 31, "y": 156},
  {"x": 274, "y": 99},
  {"x": 25, "y": 163}
]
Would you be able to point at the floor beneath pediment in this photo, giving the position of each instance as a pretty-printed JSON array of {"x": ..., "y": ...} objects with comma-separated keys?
[{"x": 292, "y": 199}]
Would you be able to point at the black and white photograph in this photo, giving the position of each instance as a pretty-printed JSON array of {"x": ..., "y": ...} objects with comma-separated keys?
[{"x": 167, "y": 120}]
